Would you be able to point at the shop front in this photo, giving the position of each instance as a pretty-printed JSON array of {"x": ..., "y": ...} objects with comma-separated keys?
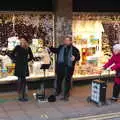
[
  {"x": 39, "y": 28},
  {"x": 94, "y": 34}
]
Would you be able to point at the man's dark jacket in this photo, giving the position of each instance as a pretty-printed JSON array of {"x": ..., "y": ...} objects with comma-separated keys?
[{"x": 75, "y": 53}]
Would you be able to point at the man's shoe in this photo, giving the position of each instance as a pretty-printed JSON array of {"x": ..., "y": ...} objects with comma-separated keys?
[
  {"x": 65, "y": 98},
  {"x": 25, "y": 99},
  {"x": 20, "y": 99},
  {"x": 57, "y": 94},
  {"x": 62, "y": 98}
]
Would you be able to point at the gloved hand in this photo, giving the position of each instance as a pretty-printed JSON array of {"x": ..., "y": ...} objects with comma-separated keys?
[{"x": 108, "y": 69}]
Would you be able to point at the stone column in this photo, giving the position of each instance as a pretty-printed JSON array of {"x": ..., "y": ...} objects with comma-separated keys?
[{"x": 63, "y": 19}]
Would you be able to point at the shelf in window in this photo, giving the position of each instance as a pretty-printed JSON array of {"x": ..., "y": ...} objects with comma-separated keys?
[{"x": 86, "y": 46}]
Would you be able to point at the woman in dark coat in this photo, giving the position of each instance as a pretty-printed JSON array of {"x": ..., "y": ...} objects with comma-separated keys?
[{"x": 21, "y": 55}]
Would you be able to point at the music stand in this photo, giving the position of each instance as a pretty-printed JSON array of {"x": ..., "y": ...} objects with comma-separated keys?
[{"x": 44, "y": 67}]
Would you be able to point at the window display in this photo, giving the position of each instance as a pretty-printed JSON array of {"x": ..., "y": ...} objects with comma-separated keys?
[
  {"x": 42, "y": 56},
  {"x": 6, "y": 65},
  {"x": 92, "y": 35},
  {"x": 12, "y": 42},
  {"x": 87, "y": 36},
  {"x": 39, "y": 28}
]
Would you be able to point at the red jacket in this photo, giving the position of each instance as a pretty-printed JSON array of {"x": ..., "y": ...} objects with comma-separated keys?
[{"x": 115, "y": 62}]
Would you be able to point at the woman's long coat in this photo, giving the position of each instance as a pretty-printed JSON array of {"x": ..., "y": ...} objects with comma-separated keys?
[{"x": 21, "y": 57}]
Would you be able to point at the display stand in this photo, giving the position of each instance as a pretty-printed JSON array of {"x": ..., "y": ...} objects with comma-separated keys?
[
  {"x": 44, "y": 67},
  {"x": 42, "y": 97}
]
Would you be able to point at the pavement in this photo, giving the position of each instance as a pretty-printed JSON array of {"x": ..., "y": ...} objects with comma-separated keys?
[{"x": 76, "y": 109}]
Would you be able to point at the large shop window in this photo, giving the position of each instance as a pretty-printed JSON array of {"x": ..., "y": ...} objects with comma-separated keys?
[
  {"x": 39, "y": 28},
  {"x": 87, "y": 37}
]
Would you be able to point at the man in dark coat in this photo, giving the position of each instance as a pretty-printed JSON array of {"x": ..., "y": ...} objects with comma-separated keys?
[
  {"x": 67, "y": 56},
  {"x": 21, "y": 55}
]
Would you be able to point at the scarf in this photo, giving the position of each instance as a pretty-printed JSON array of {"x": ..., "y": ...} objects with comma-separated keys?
[{"x": 61, "y": 56}]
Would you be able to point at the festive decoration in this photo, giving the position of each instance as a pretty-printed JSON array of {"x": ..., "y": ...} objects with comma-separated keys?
[
  {"x": 113, "y": 34},
  {"x": 106, "y": 45},
  {"x": 12, "y": 42},
  {"x": 26, "y": 24},
  {"x": 105, "y": 17}
]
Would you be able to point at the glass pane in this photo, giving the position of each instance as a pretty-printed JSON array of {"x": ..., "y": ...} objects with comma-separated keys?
[{"x": 39, "y": 28}]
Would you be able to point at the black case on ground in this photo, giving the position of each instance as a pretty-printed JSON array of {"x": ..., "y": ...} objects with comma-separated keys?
[{"x": 98, "y": 93}]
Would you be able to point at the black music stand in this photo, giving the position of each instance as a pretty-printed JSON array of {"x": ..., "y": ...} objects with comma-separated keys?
[{"x": 44, "y": 67}]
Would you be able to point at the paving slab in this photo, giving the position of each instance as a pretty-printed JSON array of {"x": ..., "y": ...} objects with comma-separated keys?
[
  {"x": 3, "y": 115},
  {"x": 76, "y": 107},
  {"x": 28, "y": 107},
  {"x": 11, "y": 106},
  {"x": 18, "y": 115}
]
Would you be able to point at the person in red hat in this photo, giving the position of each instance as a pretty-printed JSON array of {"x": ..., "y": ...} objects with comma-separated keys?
[{"x": 114, "y": 64}]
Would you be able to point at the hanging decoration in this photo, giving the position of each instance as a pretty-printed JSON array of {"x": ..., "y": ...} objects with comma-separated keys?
[
  {"x": 116, "y": 26},
  {"x": 13, "y": 40},
  {"x": 106, "y": 17},
  {"x": 25, "y": 24}
]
